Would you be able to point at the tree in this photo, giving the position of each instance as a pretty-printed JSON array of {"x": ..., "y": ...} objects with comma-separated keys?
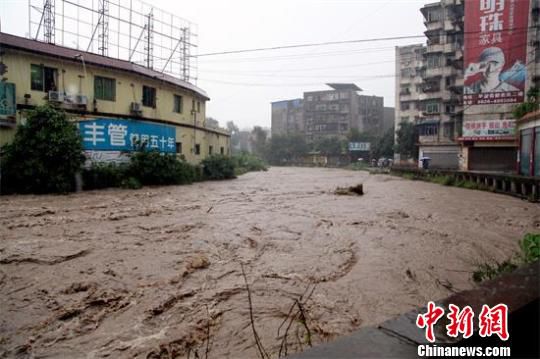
[
  {"x": 45, "y": 154},
  {"x": 329, "y": 146},
  {"x": 235, "y": 138},
  {"x": 531, "y": 105},
  {"x": 286, "y": 148},
  {"x": 406, "y": 139},
  {"x": 384, "y": 146}
]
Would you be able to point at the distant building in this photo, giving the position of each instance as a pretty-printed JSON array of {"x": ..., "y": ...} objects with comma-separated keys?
[
  {"x": 389, "y": 115},
  {"x": 409, "y": 86},
  {"x": 333, "y": 113},
  {"x": 287, "y": 117}
]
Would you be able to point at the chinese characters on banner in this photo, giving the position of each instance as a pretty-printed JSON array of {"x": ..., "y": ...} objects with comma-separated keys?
[
  {"x": 491, "y": 321},
  {"x": 495, "y": 51},
  {"x": 113, "y": 135},
  {"x": 494, "y": 130},
  {"x": 359, "y": 146}
]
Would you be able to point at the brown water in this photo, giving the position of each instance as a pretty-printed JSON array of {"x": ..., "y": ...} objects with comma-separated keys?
[{"x": 147, "y": 273}]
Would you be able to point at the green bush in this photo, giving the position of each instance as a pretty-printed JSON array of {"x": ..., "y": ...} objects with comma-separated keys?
[
  {"x": 218, "y": 167},
  {"x": 530, "y": 247},
  {"x": 530, "y": 252},
  {"x": 104, "y": 175},
  {"x": 488, "y": 271},
  {"x": 130, "y": 183},
  {"x": 45, "y": 154},
  {"x": 246, "y": 162},
  {"x": 154, "y": 168}
]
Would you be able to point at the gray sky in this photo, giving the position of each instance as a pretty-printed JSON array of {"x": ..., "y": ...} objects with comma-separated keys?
[{"x": 241, "y": 86}]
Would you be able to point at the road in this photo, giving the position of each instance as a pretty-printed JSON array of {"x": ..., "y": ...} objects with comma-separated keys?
[{"x": 149, "y": 273}]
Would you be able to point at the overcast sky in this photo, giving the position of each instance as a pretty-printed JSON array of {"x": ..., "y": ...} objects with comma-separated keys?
[{"x": 242, "y": 86}]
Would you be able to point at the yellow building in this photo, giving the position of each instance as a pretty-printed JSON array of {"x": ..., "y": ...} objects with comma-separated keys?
[{"x": 116, "y": 102}]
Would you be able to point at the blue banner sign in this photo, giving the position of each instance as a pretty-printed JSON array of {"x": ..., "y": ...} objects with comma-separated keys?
[{"x": 104, "y": 134}]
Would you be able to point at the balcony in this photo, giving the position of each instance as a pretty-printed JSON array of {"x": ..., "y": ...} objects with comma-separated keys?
[
  {"x": 433, "y": 48},
  {"x": 434, "y": 72}
]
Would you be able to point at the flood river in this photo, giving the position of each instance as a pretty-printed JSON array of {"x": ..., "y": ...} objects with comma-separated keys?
[{"x": 153, "y": 273}]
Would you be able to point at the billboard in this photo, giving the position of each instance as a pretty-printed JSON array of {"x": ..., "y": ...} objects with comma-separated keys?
[
  {"x": 495, "y": 55},
  {"x": 489, "y": 130},
  {"x": 359, "y": 146},
  {"x": 115, "y": 135}
]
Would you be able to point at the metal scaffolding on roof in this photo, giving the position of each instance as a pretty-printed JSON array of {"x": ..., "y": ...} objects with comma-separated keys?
[{"x": 129, "y": 30}]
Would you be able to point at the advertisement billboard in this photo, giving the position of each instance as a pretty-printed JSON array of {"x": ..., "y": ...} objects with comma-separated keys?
[
  {"x": 104, "y": 134},
  {"x": 359, "y": 146},
  {"x": 489, "y": 130},
  {"x": 495, "y": 55}
]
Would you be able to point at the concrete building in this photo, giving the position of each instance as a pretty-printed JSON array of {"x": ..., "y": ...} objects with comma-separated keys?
[
  {"x": 490, "y": 140},
  {"x": 440, "y": 101},
  {"x": 287, "y": 117},
  {"x": 408, "y": 88},
  {"x": 389, "y": 114},
  {"x": 333, "y": 113},
  {"x": 528, "y": 129},
  {"x": 116, "y": 103}
]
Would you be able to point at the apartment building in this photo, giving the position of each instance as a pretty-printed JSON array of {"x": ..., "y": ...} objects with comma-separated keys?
[
  {"x": 408, "y": 87},
  {"x": 441, "y": 101},
  {"x": 288, "y": 117},
  {"x": 333, "y": 113},
  {"x": 509, "y": 49}
]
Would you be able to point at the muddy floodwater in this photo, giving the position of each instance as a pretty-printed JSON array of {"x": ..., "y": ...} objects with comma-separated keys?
[{"x": 153, "y": 273}]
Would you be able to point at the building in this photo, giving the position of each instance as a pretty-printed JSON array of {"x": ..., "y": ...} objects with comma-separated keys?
[
  {"x": 489, "y": 139},
  {"x": 409, "y": 67},
  {"x": 288, "y": 117},
  {"x": 440, "y": 101},
  {"x": 389, "y": 114},
  {"x": 528, "y": 130},
  {"x": 116, "y": 103},
  {"x": 333, "y": 113}
]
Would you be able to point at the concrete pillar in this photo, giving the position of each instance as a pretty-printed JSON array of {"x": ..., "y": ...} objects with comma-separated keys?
[
  {"x": 523, "y": 189},
  {"x": 513, "y": 187}
]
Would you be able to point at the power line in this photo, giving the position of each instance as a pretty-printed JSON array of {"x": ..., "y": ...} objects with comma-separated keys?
[{"x": 379, "y": 39}]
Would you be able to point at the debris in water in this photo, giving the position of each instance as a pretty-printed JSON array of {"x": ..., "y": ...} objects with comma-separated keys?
[{"x": 357, "y": 190}]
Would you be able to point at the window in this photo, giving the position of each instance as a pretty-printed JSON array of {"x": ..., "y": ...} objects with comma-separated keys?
[
  {"x": 433, "y": 61},
  {"x": 210, "y": 150},
  {"x": 104, "y": 88},
  {"x": 222, "y": 150},
  {"x": 428, "y": 130},
  {"x": 405, "y": 106},
  {"x": 43, "y": 78},
  {"x": 432, "y": 108},
  {"x": 178, "y": 147},
  {"x": 177, "y": 104},
  {"x": 198, "y": 106},
  {"x": 149, "y": 96},
  {"x": 197, "y": 149}
]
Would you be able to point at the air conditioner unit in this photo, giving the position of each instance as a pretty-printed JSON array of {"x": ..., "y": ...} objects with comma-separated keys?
[
  {"x": 136, "y": 108},
  {"x": 80, "y": 100},
  {"x": 56, "y": 96}
]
